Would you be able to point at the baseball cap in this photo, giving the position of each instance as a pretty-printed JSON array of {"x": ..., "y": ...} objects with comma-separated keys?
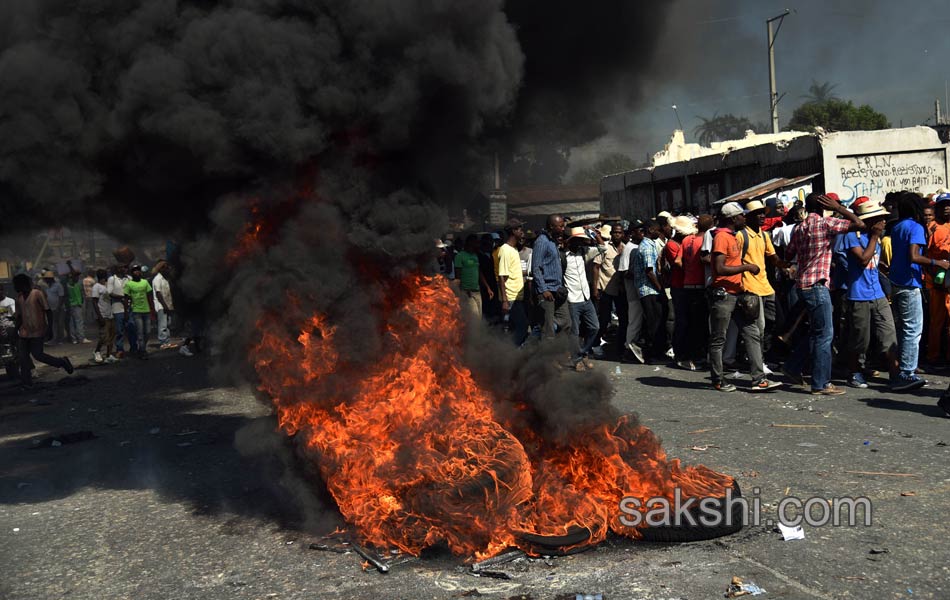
[{"x": 731, "y": 209}]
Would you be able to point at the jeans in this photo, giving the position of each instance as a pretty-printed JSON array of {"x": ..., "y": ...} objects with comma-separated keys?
[
  {"x": 142, "y": 322},
  {"x": 605, "y": 306},
  {"x": 817, "y": 302},
  {"x": 27, "y": 347},
  {"x": 583, "y": 313},
  {"x": 721, "y": 312},
  {"x": 77, "y": 327},
  {"x": 164, "y": 323},
  {"x": 557, "y": 317},
  {"x": 654, "y": 315},
  {"x": 119, "y": 318},
  {"x": 517, "y": 321},
  {"x": 909, "y": 315}
]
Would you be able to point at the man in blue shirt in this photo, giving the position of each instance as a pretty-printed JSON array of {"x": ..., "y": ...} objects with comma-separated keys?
[
  {"x": 867, "y": 307},
  {"x": 548, "y": 278},
  {"x": 907, "y": 240}
]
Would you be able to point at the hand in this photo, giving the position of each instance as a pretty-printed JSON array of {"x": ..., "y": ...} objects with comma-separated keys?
[
  {"x": 754, "y": 269},
  {"x": 596, "y": 294},
  {"x": 830, "y": 203},
  {"x": 943, "y": 264},
  {"x": 491, "y": 294},
  {"x": 505, "y": 307},
  {"x": 878, "y": 228},
  {"x": 548, "y": 296}
]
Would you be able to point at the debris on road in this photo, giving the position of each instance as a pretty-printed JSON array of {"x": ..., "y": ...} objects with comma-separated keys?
[
  {"x": 795, "y": 426},
  {"x": 371, "y": 558},
  {"x": 749, "y": 473},
  {"x": 791, "y": 533},
  {"x": 883, "y": 473},
  {"x": 56, "y": 441},
  {"x": 335, "y": 548},
  {"x": 738, "y": 588},
  {"x": 908, "y": 493},
  {"x": 706, "y": 430},
  {"x": 491, "y": 574},
  {"x": 879, "y": 551},
  {"x": 498, "y": 560}
]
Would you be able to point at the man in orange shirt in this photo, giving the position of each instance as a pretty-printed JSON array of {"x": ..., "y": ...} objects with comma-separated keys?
[
  {"x": 727, "y": 270},
  {"x": 938, "y": 248}
]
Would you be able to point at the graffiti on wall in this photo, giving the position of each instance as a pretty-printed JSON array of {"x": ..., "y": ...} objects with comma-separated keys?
[{"x": 874, "y": 175}]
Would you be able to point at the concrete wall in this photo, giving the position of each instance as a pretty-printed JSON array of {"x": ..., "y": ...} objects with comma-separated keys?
[{"x": 873, "y": 163}]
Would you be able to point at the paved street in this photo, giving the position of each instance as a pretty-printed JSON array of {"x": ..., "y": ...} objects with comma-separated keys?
[{"x": 162, "y": 505}]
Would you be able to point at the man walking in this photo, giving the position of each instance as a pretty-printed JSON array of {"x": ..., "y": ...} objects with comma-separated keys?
[
  {"x": 625, "y": 264},
  {"x": 811, "y": 243},
  {"x": 511, "y": 282},
  {"x": 756, "y": 247},
  {"x": 102, "y": 305},
  {"x": 728, "y": 271},
  {"x": 469, "y": 275},
  {"x": 139, "y": 293},
  {"x": 907, "y": 242},
  {"x": 867, "y": 308},
  {"x": 651, "y": 291},
  {"x": 583, "y": 313},
  {"x": 75, "y": 301},
  {"x": 115, "y": 286},
  {"x": 164, "y": 306},
  {"x": 548, "y": 278},
  {"x": 34, "y": 323}
]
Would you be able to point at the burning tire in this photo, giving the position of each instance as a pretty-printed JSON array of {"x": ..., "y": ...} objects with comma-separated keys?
[{"x": 694, "y": 533}]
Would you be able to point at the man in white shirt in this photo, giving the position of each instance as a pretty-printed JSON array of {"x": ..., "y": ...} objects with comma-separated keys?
[
  {"x": 579, "y": 301},
  {"x": 164, "y": 307},
  {"x": 115, "y": 286},
  {"x": 634, "y": 308},
  {"x": 102, "y": 309}
]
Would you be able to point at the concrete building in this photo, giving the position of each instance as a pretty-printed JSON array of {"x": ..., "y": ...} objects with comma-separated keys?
[{"x": 689, "y": 177}]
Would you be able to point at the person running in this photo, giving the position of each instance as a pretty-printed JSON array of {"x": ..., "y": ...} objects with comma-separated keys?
[
  {"x": 34, "y": 322},
  {"x": 139, "y": 293}
]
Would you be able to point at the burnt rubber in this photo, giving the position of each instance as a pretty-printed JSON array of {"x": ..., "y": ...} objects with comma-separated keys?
[
  {"x": 698, "y": 532},
  {"x": 553, "y": 545}
]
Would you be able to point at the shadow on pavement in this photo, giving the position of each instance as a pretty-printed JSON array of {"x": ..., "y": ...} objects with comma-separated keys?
[
  {"x": 159, "y": 424},
  {"x": 667, "y": 382},
  {"x": 928, "y": 408}
]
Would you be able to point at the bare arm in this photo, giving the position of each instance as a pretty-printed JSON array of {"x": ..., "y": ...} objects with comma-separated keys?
[
  {"x": 720, "y": 268},
  {"x": 919, "y": 259},
  {"x": 161, "y": 300},
  {"x": 865, "y": 255}
]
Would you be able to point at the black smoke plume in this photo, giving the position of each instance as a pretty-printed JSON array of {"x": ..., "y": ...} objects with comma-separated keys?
[{"x": 302, "y": 148}]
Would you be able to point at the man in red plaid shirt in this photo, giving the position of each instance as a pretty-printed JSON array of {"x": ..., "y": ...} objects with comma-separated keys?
[{"x": 812, "y": 243}]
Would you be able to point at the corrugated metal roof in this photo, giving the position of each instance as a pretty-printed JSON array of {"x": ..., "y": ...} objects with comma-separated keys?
[
  {"x": 764, "y": 189},
  {"x": 540, "y": 194},
  {"x": 558, "y": 208}
]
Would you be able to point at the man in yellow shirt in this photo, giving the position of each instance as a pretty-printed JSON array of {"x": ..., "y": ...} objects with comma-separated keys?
[
  {"x": 511, "y": 281},
  {"x": 756, "y": 247}
]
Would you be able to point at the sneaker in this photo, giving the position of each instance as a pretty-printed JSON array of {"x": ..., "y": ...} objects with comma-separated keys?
[
  {"x": 765, "y": 384},
  {"x": 97, "y": 357},
  {"x": 857, "y": 380},
  {"x": 75, "y": 341},
  {"x": 829, "y": 390},
  {"x": 185, "y": 351},
  {"x": 793, "y": 378},
  {"x": 637, "y": 351},
  {"x": 906, "y": 383},
  {"x": 686, "y": 364},
  {"x": 724, "y": 386},
  {"x": 944, "y": 402},
  {"x": 85, "y": 341},
  {"x": 68, "y": 365},
  {"x": 767, "y": 370},
  {"x": 111, "y": 359},
  {"x": 670, "y": 354}
]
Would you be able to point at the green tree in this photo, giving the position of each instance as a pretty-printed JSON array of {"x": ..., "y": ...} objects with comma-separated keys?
[
  {"x": 837, "y": 115},
  {"x": 719, "y": 128},
  {"x": 821, "y": 92},
  {"x": 609, "y": 164}
]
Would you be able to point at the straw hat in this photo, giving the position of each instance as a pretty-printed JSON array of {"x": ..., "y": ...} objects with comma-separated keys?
[
  {"x": 684, "y": 225},
  {"x": 865, "y": 208},
  {"x": 753, "y": 206},
  {"x": 579, "y": 233}
]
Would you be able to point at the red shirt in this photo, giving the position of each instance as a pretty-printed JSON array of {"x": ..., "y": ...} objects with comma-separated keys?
[
  {"x": 771, "y": 222},
  {"x": 670, "y": 253},
  {"x": 694, "y": 271},
  {"x": 725, "y": 243},
  {"x": 812, "y": 243}
]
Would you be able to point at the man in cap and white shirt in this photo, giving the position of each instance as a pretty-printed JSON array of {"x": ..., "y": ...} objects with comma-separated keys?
[
  {"x": 724, "y": 302},
  {"x": 583, "y": 313}
]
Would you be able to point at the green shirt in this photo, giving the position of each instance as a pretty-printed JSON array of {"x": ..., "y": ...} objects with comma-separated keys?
[
  {"x": 466, "y": 265},
  {"x": 138, "y": 291},
  {"x": 74, "y": 295}
]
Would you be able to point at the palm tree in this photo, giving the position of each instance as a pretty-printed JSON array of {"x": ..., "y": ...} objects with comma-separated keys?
[
  {"x": 725, "y": 127},
  {"x": 820, "y": 92}
]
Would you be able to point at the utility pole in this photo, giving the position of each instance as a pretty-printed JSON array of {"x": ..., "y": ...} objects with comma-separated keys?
[{"x": 773, "y": 94}]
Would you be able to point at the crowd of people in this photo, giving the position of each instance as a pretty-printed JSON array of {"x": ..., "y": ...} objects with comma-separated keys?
[
  {"x": 121, "y": 304},
  {"x": 813, "y": 289}
]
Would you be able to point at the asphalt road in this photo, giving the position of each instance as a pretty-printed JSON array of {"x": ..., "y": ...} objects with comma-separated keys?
[{"x": 161, "y": 504}]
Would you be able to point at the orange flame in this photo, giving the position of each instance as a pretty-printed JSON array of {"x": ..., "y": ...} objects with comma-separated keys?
[{"x": 415, "y": 453}]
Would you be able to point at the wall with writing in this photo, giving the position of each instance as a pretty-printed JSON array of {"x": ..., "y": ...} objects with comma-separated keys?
[{"x": 873, "y": 163}]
